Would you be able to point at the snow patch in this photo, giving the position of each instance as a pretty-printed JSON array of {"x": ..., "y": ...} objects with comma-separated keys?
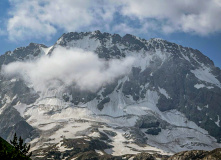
[
  {"x": 5, "y": 101},
  {"x": 218, "y": 121},
  {"x": 124, "y": 146},
  {"x": 185, "y": 57},
  {"x": 99, "y": 152},
  {"x": 13, "y": 80},
  {"x": 206, "y": 106},
  {"x": 86, "y": 43},
  {"x": 205, "y": 74},
  {"x": 46, "y": 50},
  {"x": 198, "y": 86},
  {"x": 20, "y": 107},
  {"x": 164, "y": 92},
  {"x": 199, "y": 108},
  {"x": 62, "y": 148}
]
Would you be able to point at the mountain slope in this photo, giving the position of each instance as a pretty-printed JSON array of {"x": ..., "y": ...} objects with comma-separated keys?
[{"x": 168, "y": 102}]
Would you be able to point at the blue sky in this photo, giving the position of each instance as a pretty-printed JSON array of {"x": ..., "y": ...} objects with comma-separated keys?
[{"x": 44, "y": 21}]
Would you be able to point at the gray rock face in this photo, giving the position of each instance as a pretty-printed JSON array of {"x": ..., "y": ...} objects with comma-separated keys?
[
  {"x": 16, "y": 92},
  {"x": 197, "y": 154},
  {"x": 171, "y": 72},
  {"x": 23, "y": 53},
  {"x": 10, "y": 119}
]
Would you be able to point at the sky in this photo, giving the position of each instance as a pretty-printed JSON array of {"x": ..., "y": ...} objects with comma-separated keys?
[{"x": 191, "y": 23}]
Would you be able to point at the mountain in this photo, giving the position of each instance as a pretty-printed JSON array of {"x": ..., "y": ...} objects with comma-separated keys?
[{"x": 163, "y": 100}]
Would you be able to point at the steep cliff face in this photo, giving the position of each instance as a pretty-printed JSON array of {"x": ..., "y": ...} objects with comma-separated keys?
[
  {"x": 14, "y": 91},
  {"x": 168, "y": 102}
]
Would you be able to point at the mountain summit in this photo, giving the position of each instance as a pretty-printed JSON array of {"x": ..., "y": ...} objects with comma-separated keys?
[{"x": 131, "y": 94}]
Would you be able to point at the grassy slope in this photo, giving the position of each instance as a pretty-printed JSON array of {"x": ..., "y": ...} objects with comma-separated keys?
[{"x": 5, "y": 146}]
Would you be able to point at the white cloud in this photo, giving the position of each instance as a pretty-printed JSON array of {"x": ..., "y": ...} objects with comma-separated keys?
[
  {"x": 43, "y": 18},
  {"x": 68, "y": 67},
  {"x": 198, "y": 16}
]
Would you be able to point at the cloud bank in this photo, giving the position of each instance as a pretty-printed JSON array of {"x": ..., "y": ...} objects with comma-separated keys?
[
  {"x": 69, "y": 67},
  {"x": 44, "y": 18}
]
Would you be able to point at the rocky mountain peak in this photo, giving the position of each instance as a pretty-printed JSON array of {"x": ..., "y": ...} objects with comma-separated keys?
[
  {"x": 169, "y": 99},
  {"x": 22, "y": 53}
]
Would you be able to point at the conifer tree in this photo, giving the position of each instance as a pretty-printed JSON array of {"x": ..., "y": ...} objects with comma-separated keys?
[{"x": 21, "y": 147}]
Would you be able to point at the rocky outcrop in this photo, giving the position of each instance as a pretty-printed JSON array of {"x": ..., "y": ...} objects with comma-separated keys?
[
  {"x": 95, "y": 149},
  {"x": 198, "y": 155}
]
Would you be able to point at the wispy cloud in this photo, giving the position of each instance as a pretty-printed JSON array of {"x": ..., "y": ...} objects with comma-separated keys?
[
  {"x": 69, "y": 67},
  {"x": 43, "y": 18}
]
